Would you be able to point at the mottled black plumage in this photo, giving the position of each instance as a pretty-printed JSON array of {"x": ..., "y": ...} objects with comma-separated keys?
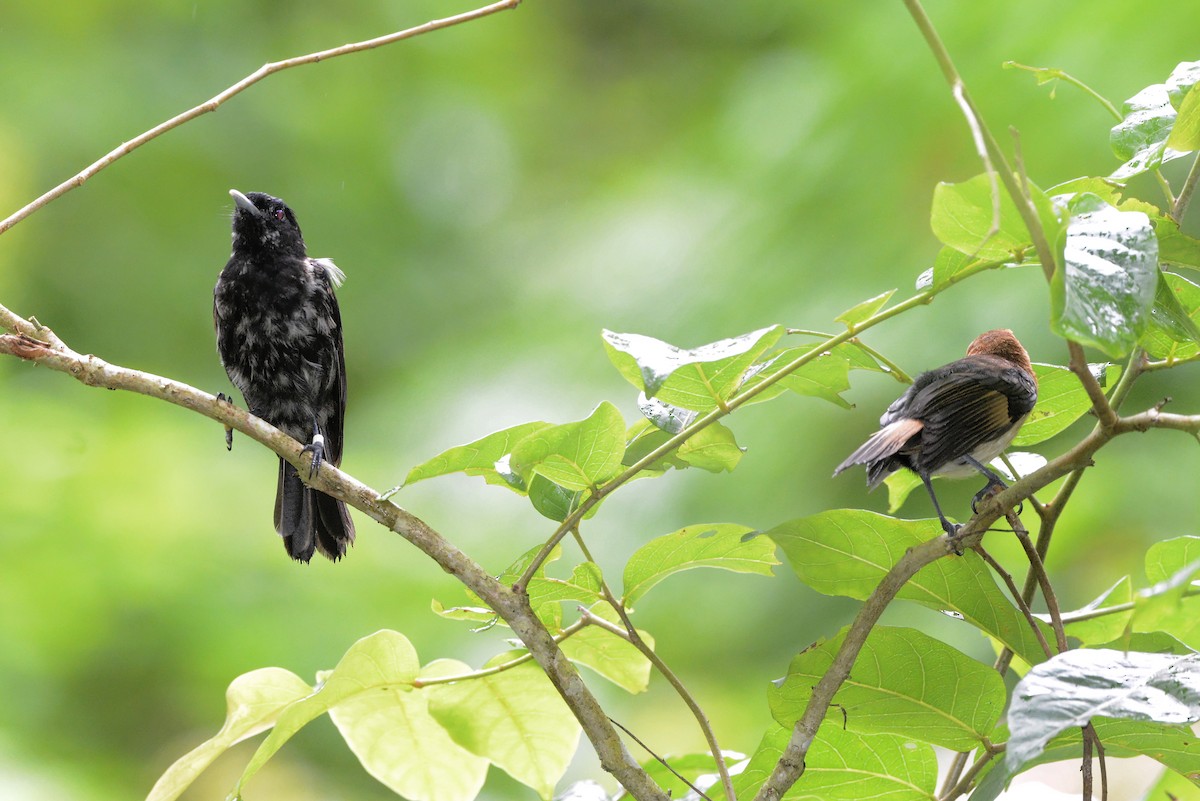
[
  {"x": 955, "y": 419},
  {"x": 279, "y": 334}
]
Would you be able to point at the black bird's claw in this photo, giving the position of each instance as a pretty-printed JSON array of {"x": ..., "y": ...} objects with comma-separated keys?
[
  {"x": 990, "y": 490},
  {"x": 223, "y": 398},
  {"x": 317, "y": 449},
  {"x": 952, "y": 530}
]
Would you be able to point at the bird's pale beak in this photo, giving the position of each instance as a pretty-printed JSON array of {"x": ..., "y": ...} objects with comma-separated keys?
[{"x": 244, "y": 203}]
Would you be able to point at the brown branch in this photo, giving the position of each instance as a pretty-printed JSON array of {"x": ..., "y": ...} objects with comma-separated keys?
[
  {"x": 513, "y": 607},
  {"x": 216, "y": 102}
]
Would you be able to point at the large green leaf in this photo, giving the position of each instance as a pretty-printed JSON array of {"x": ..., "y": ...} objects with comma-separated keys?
[
  {"x": 1071, "y": 688},
  {"x": 963, "y": 215},
  {"x": 613, "y": 657},
  {"x": 1170, "y": 566},
  {"x": 1061, "y": 401},
  {"x": 1185, "y": 134},
  {"x": 479, "y": 458},
  {"x": 824, "y": 376},
  {"x": 1106, "y": 628},
  {"x": 700, "y": 379},
  {"x": 849, "y": 551},
  {"x": 514, "y": 719},
  {"x": 846, "y": 766},
  {"x": 1104, "y": 291},
  {"x": 400, "y": 743},
  {"x": 575, "y": 456},
  {"x": 253, "y": 703},
  {"x": 903, "y": 682},
  {"x": 381, "y": 662},
  {"x": 724, "y": 545}
]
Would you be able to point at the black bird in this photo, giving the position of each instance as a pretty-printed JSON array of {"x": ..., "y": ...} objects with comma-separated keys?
[
  {"x": 279, "y": 334},
  {"x": 953, "y": 420}
]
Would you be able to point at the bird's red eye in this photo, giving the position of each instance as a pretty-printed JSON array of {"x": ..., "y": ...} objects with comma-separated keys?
[{"x": 280, "y": 214}]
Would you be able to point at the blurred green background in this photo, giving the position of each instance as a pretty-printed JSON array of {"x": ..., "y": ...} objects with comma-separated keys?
[{"x": 497, "y": 194}]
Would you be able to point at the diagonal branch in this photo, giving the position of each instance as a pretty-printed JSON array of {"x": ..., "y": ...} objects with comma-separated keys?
[
  {"x": 25, "y": 344},
  {"x": 216, "y": 102}
]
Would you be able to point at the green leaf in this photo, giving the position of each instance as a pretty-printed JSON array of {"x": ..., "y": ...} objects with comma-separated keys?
[
  {"x": 1067, "y": 690},
  {"x": 399, "y": 742},
  {"x": 471, "y": 614},
  {"x": 948, "y": 265},
  {"x": 583, "y": 587},
  {"x": 1176, "y": 313},
  {"x": 899, "y": 486},
  {"x": 1167, "y": 557},
  {"x": 1108, "y": 627},
  {"x": 575, "y": 456},
  {"x": 1061, "y": 401},
  {"x": 963, "y": 215},
  {"x": 1185, "y": 75},
  {"x": 724, "y": 545},
  {"x": 1176, "y": 747},
  {"x": 1140, "y": 139},
  {"x": 479, "y": 458},
  {"x": 712, "y": 448},
  {"x": 700, "y": 379},
  {"x": 848, "y": 552},
  {"x": 514, "y": 719},
  {"x": 691, "y": 766},
  {"x": 613, "y": 657},
  {"x": 1185, "y": 134},
  {"x": 252, "y": 703},
  {"x": 551, "y": 500},
  {"x": 1103, "y": 294},
  {"x": 381, "y": 662},
  {"x": 862, "y": 311},
  {"x": 1164, "y": 607},
  {"x": 1175, "y": 247},
  {"x": 903, "y": 682},
  {"x": 825, "y": 376},
  {"x": 664, "y": 416}
]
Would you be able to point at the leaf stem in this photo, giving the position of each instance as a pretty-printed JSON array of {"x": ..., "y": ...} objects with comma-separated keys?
[
  {"x": 574, "y": 628},
  {"x": 1185, "y": 194},
  {"x": 1071, "y": 79}
]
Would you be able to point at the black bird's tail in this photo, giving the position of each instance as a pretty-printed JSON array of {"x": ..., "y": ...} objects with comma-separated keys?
[{"x": 308, "y": 519}]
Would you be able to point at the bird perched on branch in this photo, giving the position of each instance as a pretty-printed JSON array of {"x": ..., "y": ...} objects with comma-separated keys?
[
  {"x": 279, "y": 334},
  {"x": 953, "y": 420}
]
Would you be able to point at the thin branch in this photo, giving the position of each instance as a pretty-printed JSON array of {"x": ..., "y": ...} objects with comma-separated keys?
[
  {"x": 1016, "y": 594},
  {"x": 574, "y": 628},
  {"x": 968, "y": 778},
  {"x": 664, "y": 762},
  {"x": 1185, "y": 194},
  {"x": 1071, "y": 79},
  {"x": 216, "y": 102}
]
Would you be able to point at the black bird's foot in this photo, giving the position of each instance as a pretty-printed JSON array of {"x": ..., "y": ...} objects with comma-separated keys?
[
  {"x": 223, "y": 398},
  {"x": 952, "y": 530},
  {"x": 991, "y": 489},
  {"x": 317, "y": 449}
]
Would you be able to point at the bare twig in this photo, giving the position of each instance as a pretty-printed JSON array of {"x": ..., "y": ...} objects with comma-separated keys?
[
  {"x": 664, "y": 762},
  {"x": 216, "y": 102},
  {"x": 1016, "y": 594},
  {"x": 1185, "y": 194}
]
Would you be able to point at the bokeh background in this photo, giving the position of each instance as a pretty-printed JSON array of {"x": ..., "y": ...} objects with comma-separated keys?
[{"x": 497, "y": 194}]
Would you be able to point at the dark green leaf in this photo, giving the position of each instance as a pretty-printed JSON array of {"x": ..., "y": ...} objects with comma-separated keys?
[
  {"x": 552, "y": 501},
  {"x": 904, "y": 682},
  {"x": 862, "y": 311},
  {"x": 642, "y": 438},
  {"x": 848, "y": 552},
  {"x": 724, "y": 545},
  {"x": 1069, "y": 689},
  {"x": 575, "y": 456},
  {"x": 1103, "y": 294},
  {"x": 699, "y": 379},
  {"x": 1061, "y": 401},
  {"x": 479, "y": 458},
  {"x": 1140, "y": 139}
]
